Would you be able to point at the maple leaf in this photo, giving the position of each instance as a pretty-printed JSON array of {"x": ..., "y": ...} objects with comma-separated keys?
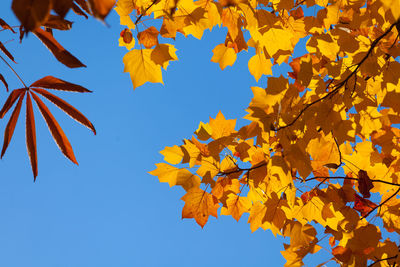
[
  {"x": 175, "y": 176},
  {"x": 148, "y": 38},
  {"x": 364, "y": 183},
  {"x": 259, "y": 65},
  {"x": 199, "y": 205},
  {"x": 224, "y": 56},
  {"x": 362, "y": 205},
  {"x": 141, "y": 67},
  {"x": 221, "y": 127},
  {"x": 236, "y": 206}
]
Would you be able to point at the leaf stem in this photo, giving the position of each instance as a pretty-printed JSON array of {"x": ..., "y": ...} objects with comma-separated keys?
[{"x": 5, "y": 61}]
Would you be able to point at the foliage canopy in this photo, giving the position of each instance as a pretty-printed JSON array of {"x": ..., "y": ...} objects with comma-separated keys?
[{"x": 320, "y": 156}]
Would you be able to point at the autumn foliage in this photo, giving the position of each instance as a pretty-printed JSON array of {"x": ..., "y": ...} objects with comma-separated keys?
[
  {"x": 319, "y": 160},
  {"x": 41, "y": 18}
]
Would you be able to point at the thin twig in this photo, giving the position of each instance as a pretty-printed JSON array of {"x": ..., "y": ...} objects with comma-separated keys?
[
  {"x": 344, "y": 82},
  {"x": 386, "y": 200},
  {"x": 241, "y": 169},
  {"x": 141, "y": 15},
  {"x": 384, "y": 259},
  {"x": 5, "y": 61}
]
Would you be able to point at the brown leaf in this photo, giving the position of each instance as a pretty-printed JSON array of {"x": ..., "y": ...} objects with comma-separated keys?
[
  {"x": 30, "y": 13},
  {"x": 341, "y": 253},
  {"x": 148, "y": 37},
  {"x": 4, "y": 25},
  {"x": 58, "y": 50},
  {"x": 364, "y": 183},
  {"x": 31, "y": 136},
  {"x": 5, "y": 51},
  {"x": 57, "y": 22},
  {"x": 61, "y": 7},
  {"x": 10, "y": 101},
  {"x": 9, "y": 131},
  {"x": 362, "y": 205},
  {"x": 55, "y": 130},
  {"x": 101, "y": 8},
  {"x": 51, "y": 82},
  {"x": 67, "y": 108},
  {"x": 126, "y": 35},
  {"x": 78, "y": 10},
  {"x": 4, "y": 81},
  {"x": 84, "y": 5}
]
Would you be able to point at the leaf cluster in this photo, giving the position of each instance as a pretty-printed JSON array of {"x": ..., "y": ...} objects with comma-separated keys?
[
  {"x": 321, "y": 147},
  {"x": 42, "y": 18}
]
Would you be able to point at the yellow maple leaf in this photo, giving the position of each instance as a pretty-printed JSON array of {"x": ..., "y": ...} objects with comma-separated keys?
[
  {"x": 141, "y": 67},
  {"x": 175, "y": 176},
  {"x": 221, "y": 127},
  {"x": 224, "y": 56},
  {"x": 163, "y": 54},
  {"x": 173, "y": 154},
  {"x": 199, "y": 205},
  {"x": 236, "y": 206},
  {"x": 259, "y": 65}
]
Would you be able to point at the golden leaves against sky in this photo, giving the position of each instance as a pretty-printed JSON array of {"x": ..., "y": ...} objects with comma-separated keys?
[{"x": 321, "y": 145}]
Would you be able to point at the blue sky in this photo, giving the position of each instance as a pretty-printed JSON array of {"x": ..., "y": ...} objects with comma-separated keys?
[{"x": 109, "y": 211}]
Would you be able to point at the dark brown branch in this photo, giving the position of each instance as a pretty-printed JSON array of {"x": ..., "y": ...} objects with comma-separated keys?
[
  {"x": 381, "y": 204},
  {"x": 384, "y": 259},
  {"x": 350, "y": 178},
  {"x": 147, "y": 9},
  {"x": 241, "y": 169},
  {"x": 337, "y": 87}
]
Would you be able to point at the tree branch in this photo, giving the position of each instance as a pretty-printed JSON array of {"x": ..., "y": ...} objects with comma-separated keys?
[
  {"x": 384, "y": 259},
  {"x": 337, "y": 87},
  {"x": 241, "y": 169},
  {"x": 381, "y": 204}
]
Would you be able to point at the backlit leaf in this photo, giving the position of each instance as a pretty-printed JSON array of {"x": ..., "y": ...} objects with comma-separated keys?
[
  {"x": 199, "y": 205},
  {"x": 31, "y": 136},
  {"x": 141, "y": 67},
  {"x": 55, "y": 130},
  {"x": 9, "y": 131},
  {"x": 67, "y": 108},
  {"x": 58, "y": 50},
  {"x": 50, "y": 82},
  {"x": 31, "y": 14}
]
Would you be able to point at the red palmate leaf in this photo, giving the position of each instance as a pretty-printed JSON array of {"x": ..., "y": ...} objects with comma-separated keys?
[
  {"x": 4, "y": 81},
  {"x": 10, "y": 101},
  {"x": 31, "y": 136},
  {"x": 78, "y": 10},
  {"x": 101, "y": 8},
  {"x": 58, "y": 50},
  {"x": 61, "y": 7},
  {"x": 364, "y": 183},
  {"x": 30, "y": 13},
  {"x": 67, "y": 108},
  {"x": 84, "y": 5},
  {"x": 55, "y": 130},
  {"x": 5, "y": 51},
  {"x": 4, "y": 25},
  {"x": 9, "y": 131},
  {"x": 51, "y": 82},
  {"x": 57, "y": 22}
]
